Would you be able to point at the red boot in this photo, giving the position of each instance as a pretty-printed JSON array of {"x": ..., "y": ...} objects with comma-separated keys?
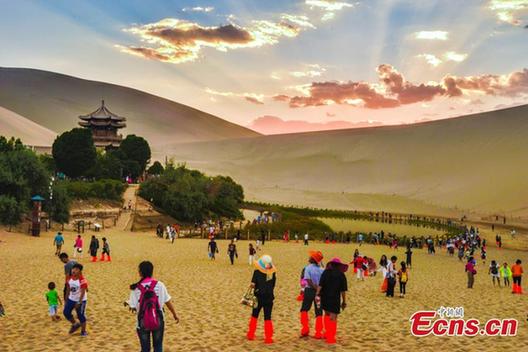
[
  {"x": 94, "y": 259},
  {"x": 102, "y": 257},
  {"x": 331, "y": 330},
  {"x": 305, "y": 323},
  {"x": 268, "y": 331},
  {"x": 252, "y": 328},
  {"x": 318, "y": 327},
  {"x": 109, "y": 259}
]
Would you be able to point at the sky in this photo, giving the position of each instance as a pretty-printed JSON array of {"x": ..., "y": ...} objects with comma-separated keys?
[{"x": 282, "y": 66}]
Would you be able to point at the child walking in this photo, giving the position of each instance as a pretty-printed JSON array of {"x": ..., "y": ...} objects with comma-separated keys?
[
  {"x": 252, "y": 253},
  {"x": 78, "y": 247},
  {"x": 494, "y": 272},
  {"x": 403, "y": 277},
  {"x": 53, "y": 302},
  {"x": 106, "y": 251},
  {"x": 505, "y": 273}
]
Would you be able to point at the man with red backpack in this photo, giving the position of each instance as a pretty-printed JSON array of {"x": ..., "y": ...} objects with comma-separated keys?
[{"x": 147, "y": 298}]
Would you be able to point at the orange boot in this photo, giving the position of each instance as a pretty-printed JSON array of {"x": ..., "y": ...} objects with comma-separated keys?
[
  {"x": 331, "y": 330},
  {"x": 109, "y": 259},
  {"x": 252, "y": 328},
  {"x": 514, "y": 288},
  {"x": 519, "y": 289},
  {"x": 102, "y": 257},
  {"x": 318, "y": 327},
  {"x": 268, "y": 331},
  {"x": 305, "y": 323},
  {"x": 94, "y": 259}
]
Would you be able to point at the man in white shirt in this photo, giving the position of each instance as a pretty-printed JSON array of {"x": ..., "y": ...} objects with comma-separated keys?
[{"x": 391, "y": 276}]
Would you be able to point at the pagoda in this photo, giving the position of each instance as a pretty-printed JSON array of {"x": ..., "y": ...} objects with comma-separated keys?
[{"x": 104, "y": 125}]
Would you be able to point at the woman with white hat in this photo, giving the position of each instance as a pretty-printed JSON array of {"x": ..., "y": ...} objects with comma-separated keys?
[{"x": 263, "y": 282}]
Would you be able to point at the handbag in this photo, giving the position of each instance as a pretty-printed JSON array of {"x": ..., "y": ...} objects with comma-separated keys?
[{"x": 249, "y": 299}]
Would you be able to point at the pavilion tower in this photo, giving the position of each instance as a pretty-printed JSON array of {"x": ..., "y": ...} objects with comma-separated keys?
[{"x": 104, "y": 125}]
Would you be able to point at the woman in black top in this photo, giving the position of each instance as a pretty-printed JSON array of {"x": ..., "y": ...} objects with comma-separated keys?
[
  {"x": 263, "y": 282},
  {"x": 232, "y": 251},
  {"x": 331, "y": 295}
]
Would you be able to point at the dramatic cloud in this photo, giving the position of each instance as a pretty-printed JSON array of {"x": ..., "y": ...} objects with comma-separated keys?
[
  {"x": 329, "y": 7},
  {"x": 176, "y": 41},
  {"x": 275, "y": 125},
  {"x": 431, "y": 35},
  {"x": 393, "y": 90},
  {"x": 198, "y": 9},
  {"x": 505, "y": 9},
  {"x": 448, "y": 56},
  {"x": 250, "y": 97}
]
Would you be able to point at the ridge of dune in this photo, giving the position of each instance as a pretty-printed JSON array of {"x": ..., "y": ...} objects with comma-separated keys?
[
  {"x": 55, "y": 100},
  {"x": 31, "y": 133}
]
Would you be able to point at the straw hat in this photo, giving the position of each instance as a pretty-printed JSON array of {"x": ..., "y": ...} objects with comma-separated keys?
[
  {"x": 265, "y": 264},
  {"x": 316, "y": 255},
  {"x": 340, "y": 265}
]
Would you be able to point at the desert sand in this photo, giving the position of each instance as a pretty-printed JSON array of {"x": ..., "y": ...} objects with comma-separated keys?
[
  {"x": 470, "y": 165},
  {"x": 207, "y": 294},
  {"x": 12, "y": 124}
]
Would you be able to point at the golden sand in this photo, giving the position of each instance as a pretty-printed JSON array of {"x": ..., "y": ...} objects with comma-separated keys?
[{"x": 206, "y": 296}]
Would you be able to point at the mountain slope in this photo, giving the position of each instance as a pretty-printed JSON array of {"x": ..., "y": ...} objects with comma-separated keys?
[
  {"x": 474, "y": 163},
  {"x": 55, "y": 101},
  {"x": 14, "y": 125}
]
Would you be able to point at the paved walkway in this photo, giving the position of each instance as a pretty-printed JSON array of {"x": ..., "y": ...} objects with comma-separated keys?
[{"x": 125, "y": 219}]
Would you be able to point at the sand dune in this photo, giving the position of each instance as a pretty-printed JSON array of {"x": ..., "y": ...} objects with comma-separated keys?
[
  {"x": 211, "y": 317},
  {"x": 472, "y": 163},
  {"x": 12, "y": 124},
  {"x": 55, "y": 101}
]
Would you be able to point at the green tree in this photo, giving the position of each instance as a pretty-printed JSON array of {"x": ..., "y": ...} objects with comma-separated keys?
[
  {"x": 155, "y": 169},
  {"x": 10, "y": 211},
  {"x": 74, "y": 152},
  {"x": 135, "y": 153},
  {"x": 107, "y": 166}
]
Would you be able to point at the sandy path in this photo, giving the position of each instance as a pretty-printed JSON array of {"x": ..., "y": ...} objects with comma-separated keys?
[
  {"x": 206, "y": 295},
  {"x": 129, "y": 197}
]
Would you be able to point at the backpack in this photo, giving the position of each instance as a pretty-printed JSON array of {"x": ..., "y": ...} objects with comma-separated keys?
[
  {"x": 403, "y": 277},
  {"x": 149, "y": 315}
]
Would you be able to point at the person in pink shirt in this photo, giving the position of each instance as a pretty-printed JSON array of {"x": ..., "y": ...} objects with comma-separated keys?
[{"x": 78, "y": 247}]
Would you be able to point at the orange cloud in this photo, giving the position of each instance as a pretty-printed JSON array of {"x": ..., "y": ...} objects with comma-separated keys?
[
  {"x": 173, "y": 40},
  {"x": 394, "y": 90}
]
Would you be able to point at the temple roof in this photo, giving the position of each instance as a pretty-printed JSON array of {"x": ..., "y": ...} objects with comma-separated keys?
[{"x": 102, "y": 113}]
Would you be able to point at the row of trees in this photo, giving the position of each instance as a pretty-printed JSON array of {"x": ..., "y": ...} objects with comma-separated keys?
[
  {"x": 190, "y": 196},
  {"x": 75, "y": 155},
  {"x": 22, "y": 175}
]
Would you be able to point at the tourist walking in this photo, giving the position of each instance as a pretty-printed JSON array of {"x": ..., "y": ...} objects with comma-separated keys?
[
  {"x": 517, "y": 272},
  {"x": 494, "y": 272},
  {"x": 306, "y": 239},
  {"x": 77, "y": 293},
  {"x": 68, "y": 265},
  {"x": 53, "y": 299},
  {"x": 263, "y": 284},
  {"x": 391, "y": 276},
  {"x": 408, "y": 256},
  {"x": 506, "y": 274},
  {"x": 106, "y": 251},
  {"x": 403, "y": 278},
  {"x": 78, "y": 247},
  {"x": 58, "y": 241},
  {"x": 331, "y": 295},
  {"x": 232, "y": 252},
  {"x": 147, "y": 299},
  {"x": 252, "y": 253},
  {"x": 94, "y": 246},
  {"x": 471, "y": 272},
  {"x": 383, "y": 263},
  {"x": 312, "y": 275},
  {"x": 212, "y": 248}
]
